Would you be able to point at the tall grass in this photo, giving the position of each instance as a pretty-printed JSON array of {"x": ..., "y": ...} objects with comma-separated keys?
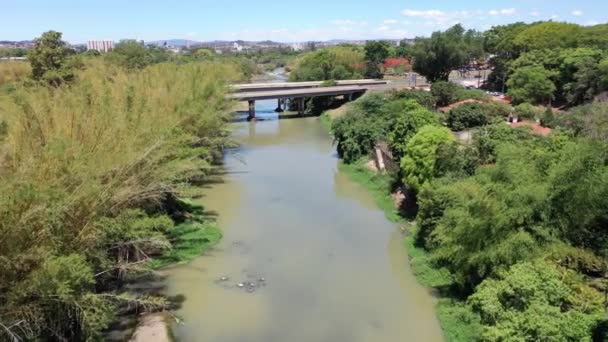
[
  {"x": 74, "y": 161},
  {"x": 13, "y": 71}
]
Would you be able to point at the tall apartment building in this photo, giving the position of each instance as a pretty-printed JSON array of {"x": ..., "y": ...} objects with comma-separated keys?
[{"x": 100, "y": 45}]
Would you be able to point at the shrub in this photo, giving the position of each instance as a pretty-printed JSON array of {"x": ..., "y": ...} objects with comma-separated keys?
[
  {"x": 589, "y": 121},
  {"x": 472, "y": 94},
  {"x": 418, "y": 165},
  {"x": 408, "y": 118},
  {"x": 466, "y": 116},
  {"x": 423, "y": 97},
  {"x": 532, "y": 301},
  {"x": 329, "y": 83},
  {"x": 526, "y": 111},
  {"x": 361, "y": 127},
  {"x": 497, "y": 110},
  {"x": 445, "y": 92}
]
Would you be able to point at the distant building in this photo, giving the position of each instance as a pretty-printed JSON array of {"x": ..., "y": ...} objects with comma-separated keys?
[{"x": 100, "y": 45}]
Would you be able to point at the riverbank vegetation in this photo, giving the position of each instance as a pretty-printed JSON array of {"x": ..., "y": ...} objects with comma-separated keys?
[
  {"x": 93, "y": 170},
  {"x": 564, "y": 63},
  {"x": 343, "y": 62},
  {"x": 540, "y": 63},
  {"x": 509, "y": 225}
]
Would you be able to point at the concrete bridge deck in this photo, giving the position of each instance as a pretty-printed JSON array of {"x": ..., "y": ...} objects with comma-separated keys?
[
  {"x": 296, "y": 93},
  {"x": 300, "y": 85},
  {"x": 300, "y": 91}
]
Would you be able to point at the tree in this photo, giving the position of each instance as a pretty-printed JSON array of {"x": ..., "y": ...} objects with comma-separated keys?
[
  {"x": 445, "y": 92},
  {"x": 418, "y": 165},
  {"x": 338, "y": 63},
  {"x": 49, "y": 59},
  {"x": 410, "y": 117},
  {"x": 376, "y": 52},
  {"x": 534, "y": 301},
  {"x": 437, "y": 56},
  {"x": 579, "y": 195},
  {"x": 364, "y": 124},
  {"x": 404, "y": 50},
  {"x": 135, "y": 55},
  {"x": 548, "y": 35},
  {"x": 498, "y": 41},
  {"x": 532, "y": 84},
  {"x": 581, "y": 74},
  {"x": 467, "y": 115}
]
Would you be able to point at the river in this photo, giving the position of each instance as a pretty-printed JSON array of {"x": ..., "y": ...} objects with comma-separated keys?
[{"x": 324, "y": 262}]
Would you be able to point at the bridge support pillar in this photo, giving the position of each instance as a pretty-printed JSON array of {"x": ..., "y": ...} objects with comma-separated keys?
[
  {"x": 251, "y": 109},
  {"x": 279, "y": 106},
  {"x": 301, "y": 105}
]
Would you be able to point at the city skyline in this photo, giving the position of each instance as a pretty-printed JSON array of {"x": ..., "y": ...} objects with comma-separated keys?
[{"x": 289, "y": 21}]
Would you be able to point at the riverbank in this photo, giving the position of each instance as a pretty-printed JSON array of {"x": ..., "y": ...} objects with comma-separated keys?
[{"x": 457, "y": 321}]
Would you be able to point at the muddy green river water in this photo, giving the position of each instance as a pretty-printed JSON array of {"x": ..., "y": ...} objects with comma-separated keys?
[{"x": 317, "y": 260}]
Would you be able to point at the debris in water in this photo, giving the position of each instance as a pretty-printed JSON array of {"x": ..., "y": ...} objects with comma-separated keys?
[
  {"x": 262, "y": 279},
  {"x": 224, "y": 279},
  {"x": 240, "y": 285}
]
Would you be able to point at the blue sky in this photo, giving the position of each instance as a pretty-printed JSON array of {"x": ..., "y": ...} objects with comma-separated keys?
[{"x": 286, "y": 20}]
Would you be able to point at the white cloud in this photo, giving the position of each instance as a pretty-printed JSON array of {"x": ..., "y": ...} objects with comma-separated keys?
[
  {"x": 577, "y": 13},
  {"x": 504, "y": 11},
  {"x": 591, "y": 23},
  {"x": 534, "y": 13},
  {"x": 554, "y": 16},
  {"x": 342, "y": 22},
  {"x": 439, "y": 18},
  {"x": 424, "y": 14},
  {"x": 390, "y": 21}
]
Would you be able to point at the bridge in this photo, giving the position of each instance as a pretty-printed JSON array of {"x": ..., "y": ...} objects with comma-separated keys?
[
  {"x": 248, "y": 87},
  {"x": 298, "y": 91}
]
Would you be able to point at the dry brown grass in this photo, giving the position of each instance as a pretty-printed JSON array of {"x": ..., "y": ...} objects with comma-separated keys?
[{"x": 13, "y": 71}]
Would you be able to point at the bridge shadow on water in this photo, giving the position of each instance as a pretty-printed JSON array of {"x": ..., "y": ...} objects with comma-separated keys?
[{"x": 270, "y": 116}]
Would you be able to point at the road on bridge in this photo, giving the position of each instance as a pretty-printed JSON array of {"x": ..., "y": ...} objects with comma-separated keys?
[{"x": 302, "y": 90}]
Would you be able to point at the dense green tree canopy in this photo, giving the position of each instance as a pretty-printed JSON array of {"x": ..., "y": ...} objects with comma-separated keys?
[
  {"x": 337, "y": 63},
  {"x": 135, "y": 55},
  {"x": 376, "y": 52},
  {"x": 532, "y": 84},
  {"x": 410, "y": 117},
  {"x": 467, "y": 115},
  {"x": 533, "y": 301},
  {"x": 437, "y": 56},
  {"x": 445, "y": 92},
  {"x": 419, "y": 164},
  {"x": 548, "y": 35},
  {"x": 50, "y": 58},
  {"x": 571, "y": 51}
]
